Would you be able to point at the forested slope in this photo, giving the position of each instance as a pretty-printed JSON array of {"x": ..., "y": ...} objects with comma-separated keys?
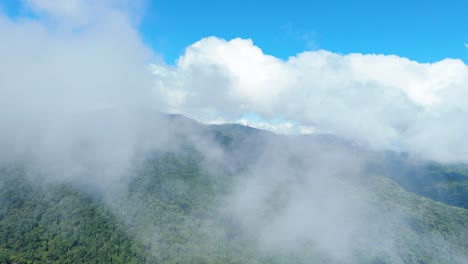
[{"x": 177, "y": 207}]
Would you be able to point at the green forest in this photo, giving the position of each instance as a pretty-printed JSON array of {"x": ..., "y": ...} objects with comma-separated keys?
[{"x": 169, "y": 213}]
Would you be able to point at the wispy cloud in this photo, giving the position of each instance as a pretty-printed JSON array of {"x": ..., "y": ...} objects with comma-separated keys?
[
  {"x": 309, "y": 38},
  {"x": 51, "y": 72}
]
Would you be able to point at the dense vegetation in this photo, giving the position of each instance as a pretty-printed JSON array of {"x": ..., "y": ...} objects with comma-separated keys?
[
  {"x": 170, "y": 213},
  {"x": 42, "y": 223},
  {"x": 445, "y": 183}
]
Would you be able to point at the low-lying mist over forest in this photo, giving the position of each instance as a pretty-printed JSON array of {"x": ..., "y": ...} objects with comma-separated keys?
[
  {"x": 185, "y": 190},
  {"x": 101, "y": 158}
]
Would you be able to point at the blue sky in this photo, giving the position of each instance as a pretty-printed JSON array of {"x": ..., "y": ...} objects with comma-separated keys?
[{"x": 425, "y": 31}]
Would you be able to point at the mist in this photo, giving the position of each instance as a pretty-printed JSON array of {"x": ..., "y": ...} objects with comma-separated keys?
[
  {"x": 82, "y": 99},
  {"x": 323, "y": 199},
  {"x": 57, "y": 78}
]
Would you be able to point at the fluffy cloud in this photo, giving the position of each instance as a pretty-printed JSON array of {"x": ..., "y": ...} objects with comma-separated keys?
[
  {"x": 379, "y": 100},
  {"x": 51, "y": 73},
  {"x": 45, "y": 68}
]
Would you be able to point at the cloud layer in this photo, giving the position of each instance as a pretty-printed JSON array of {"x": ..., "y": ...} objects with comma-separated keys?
[
  {"x": 378, "y": 100},
  {"x": 80, "y": 55}
]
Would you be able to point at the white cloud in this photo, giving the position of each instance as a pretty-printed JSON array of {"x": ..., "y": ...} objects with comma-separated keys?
[
  {"x": 283, "y": 127},
  {"x": 374, "y": 99},
  {"x": 383, "y": 101},
  {"x": 466, "y": 45},
  {"x": 44, "y": 68},
  {"x": 51, "y": 73}
]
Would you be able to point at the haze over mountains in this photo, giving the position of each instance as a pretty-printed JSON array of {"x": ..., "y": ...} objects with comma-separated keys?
[
  {"x": 102, "y": 159},
  {"x": 172, "y": 190}
]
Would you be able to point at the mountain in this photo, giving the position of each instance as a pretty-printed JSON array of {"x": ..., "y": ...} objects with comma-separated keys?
[{"x": 230, "y": 194}]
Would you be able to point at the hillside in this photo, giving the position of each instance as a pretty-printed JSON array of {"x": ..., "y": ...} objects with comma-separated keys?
[{"x": 296, "y": 200}]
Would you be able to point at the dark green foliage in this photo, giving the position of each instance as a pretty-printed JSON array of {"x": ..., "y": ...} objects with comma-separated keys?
[
  {"x": 432, "y": 232},
  {"x": 179, "y": 222},
  {"x": 57, "y": 224},
  {"x": 170, "y": 213},
  {"x": 450, "y": 184},
  {"x": 446, "y": 183}
]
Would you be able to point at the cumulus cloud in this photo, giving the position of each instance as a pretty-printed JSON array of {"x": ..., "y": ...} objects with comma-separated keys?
[{"x": 383, "y": 101}]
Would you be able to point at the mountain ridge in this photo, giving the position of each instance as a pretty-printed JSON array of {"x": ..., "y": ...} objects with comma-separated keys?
[{"x": 191, "y": 203}]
